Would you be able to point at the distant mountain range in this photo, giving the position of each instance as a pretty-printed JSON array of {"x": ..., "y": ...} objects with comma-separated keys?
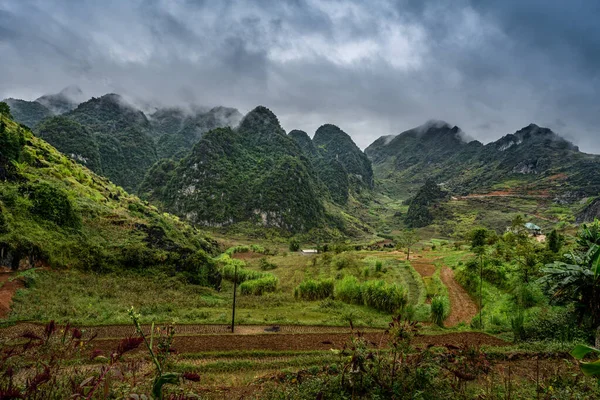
[
  {"x": 217, "y": 167},
  {"x": 533, "y": 160}
]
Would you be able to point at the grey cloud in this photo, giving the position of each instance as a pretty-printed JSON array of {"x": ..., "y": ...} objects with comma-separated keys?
[{"x": 372, "y": 67}]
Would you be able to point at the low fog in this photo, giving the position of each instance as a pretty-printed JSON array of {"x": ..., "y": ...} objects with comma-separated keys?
[{"x": 373, "y": 68}]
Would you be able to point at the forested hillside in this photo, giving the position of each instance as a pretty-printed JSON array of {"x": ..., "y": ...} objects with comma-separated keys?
[{"x": 55, "y": 212}]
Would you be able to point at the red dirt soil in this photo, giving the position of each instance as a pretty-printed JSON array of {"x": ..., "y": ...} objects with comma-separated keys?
[
  {"x": 462, "y": 307},
  {"x": 302, "y": 342},
  {"x": 424, "y": 267},
  {"x": 249, "y": 255},
  {"x": 7, "y": 291}
]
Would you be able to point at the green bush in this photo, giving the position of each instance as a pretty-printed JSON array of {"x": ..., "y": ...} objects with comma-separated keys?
[
  {"x": 243, "y": 275},
  {"x": 314, "y": 290},
  {"x": 4, "y": 227},
  {"x": 557, "y": 323},
  {"x": 258, "y": 287},
  {"x": 345, "y": 260},
  {"x": 265, "y": 265},
  {"x": 11, "y": 144},
  {"x": 517, "y": 325},
  {"x": 349, "y": 291},
  {"x": 237, "y": 249},
  {"x": 439, "y": 310},
  {"x": 378, "y": 266},
  {"x": 200, "y": 269},
  {"x": 52, "y": 204},
  {"x": 294, "y": 245}
]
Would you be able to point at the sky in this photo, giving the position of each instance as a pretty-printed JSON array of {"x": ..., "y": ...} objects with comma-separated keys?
[{"x": 371, "y": 67}]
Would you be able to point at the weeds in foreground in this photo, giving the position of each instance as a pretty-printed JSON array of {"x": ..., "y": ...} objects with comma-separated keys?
[{"x": 60, "y": 363}]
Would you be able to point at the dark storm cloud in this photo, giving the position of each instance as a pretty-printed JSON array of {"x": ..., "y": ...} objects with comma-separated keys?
[{"x": 372, "y": 67}]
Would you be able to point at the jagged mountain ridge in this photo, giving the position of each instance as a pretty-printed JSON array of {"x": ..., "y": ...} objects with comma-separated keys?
[
  {"x": 253, "y": 173},
  {"x": 115, "y": 138},
  {"x": 533, "y": 159},
  {"x": 340, "y": 165}
]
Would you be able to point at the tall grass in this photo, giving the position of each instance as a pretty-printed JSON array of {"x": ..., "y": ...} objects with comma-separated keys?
[
  {"x": 349, "y": 290},
  {"x": 384, "y": 296},
  {"x": 375, "y": 293},
  {"x": 439, "y": 310},
  {"x": 258, "y": 287},
  {"x": 243, "y": 274},
  {"x": 314, "y": 290}
]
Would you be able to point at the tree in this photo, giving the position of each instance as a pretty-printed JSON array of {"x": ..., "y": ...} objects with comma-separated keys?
[
  {"x": 5, "y": 110},
  {"x": 478, "y": 242},
  {"x": 406, "y": 240},
  {"x": 578, "y": 280},
  {"x": 555, "y": 241},
  {"x": 294, "y": 245},
  {"x": 478, "y": 238}
]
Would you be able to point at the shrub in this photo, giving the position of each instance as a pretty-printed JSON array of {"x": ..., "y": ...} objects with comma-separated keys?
[
  {"x": 558, "y": 323},
  {"x": 345, "y": 260},
  {"x": 349, "y": 291},
  {"x": 265, "y": 265},
  {"x": 314, "y": 290},
  {"x": 528, "y": 295},
  {"x": 517, "y": 325},
  {"x": 52, "y": 204},
  {"x": 378, "y": 266},
  {"x": 200, "y": 269},
  {"x": 237, "y": 249},
  {"x": 439, "y": 310},
  {"x": 4, "y": 227},
  {"x": 258, "y": 287},
  {"x": 294, "y": 245},
  {"x": 243, "y": 274},
  {"x": 384, "y": 296}
]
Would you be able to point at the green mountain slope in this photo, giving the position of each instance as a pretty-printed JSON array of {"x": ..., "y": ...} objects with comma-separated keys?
[
  {"x": 335, "y": 144},
  {"x": 29, "y": 113},
  {"x": 254, "y": 173},
  {"x": 55, "y": 212},
  {"x": 339, "y": 164}
]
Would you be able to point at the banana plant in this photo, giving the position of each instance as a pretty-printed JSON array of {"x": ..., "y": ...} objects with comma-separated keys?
[{"x": 590, "y": 368}]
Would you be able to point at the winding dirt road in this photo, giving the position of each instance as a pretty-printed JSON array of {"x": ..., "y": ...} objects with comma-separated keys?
[
  {"x": 7, "y": 291},
  {"x": 462, "y": 306}
]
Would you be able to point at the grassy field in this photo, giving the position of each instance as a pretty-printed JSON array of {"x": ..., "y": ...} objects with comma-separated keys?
[{"x": 97, "y": 299}]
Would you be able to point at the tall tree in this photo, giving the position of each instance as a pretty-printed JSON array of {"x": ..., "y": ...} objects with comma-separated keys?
[
  {"x": 555, "y": 241},
  {"x": 407, "y": 239},
  {"x": 5, "y": 110},
  {"x": 478, "y": 242}
]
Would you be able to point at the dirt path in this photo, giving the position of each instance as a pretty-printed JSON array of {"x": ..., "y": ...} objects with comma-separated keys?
[
  {"x": 7, "y": 291},
  {"x": 462, "y": 307}
]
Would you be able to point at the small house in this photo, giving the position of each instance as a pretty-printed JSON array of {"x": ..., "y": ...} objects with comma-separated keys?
[
  {"x": 309, "y": 252},
  {"x": 533, "y": 229}
]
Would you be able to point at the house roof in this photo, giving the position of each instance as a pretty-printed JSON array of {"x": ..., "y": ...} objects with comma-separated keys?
[{"x": 532, "y": 226}]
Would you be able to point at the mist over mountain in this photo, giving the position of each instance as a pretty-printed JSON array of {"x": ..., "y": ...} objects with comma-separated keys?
[
  {"x": 112, "y": 136},
  {"x": 537, "y": 157}
]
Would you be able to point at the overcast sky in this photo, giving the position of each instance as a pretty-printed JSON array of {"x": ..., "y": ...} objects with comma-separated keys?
[{"x": 372, "y": 67}]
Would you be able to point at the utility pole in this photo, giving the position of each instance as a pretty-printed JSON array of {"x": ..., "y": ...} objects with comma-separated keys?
[
  {"x": 234, "y": 291},
  {"x": 480, "y": 288}
]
